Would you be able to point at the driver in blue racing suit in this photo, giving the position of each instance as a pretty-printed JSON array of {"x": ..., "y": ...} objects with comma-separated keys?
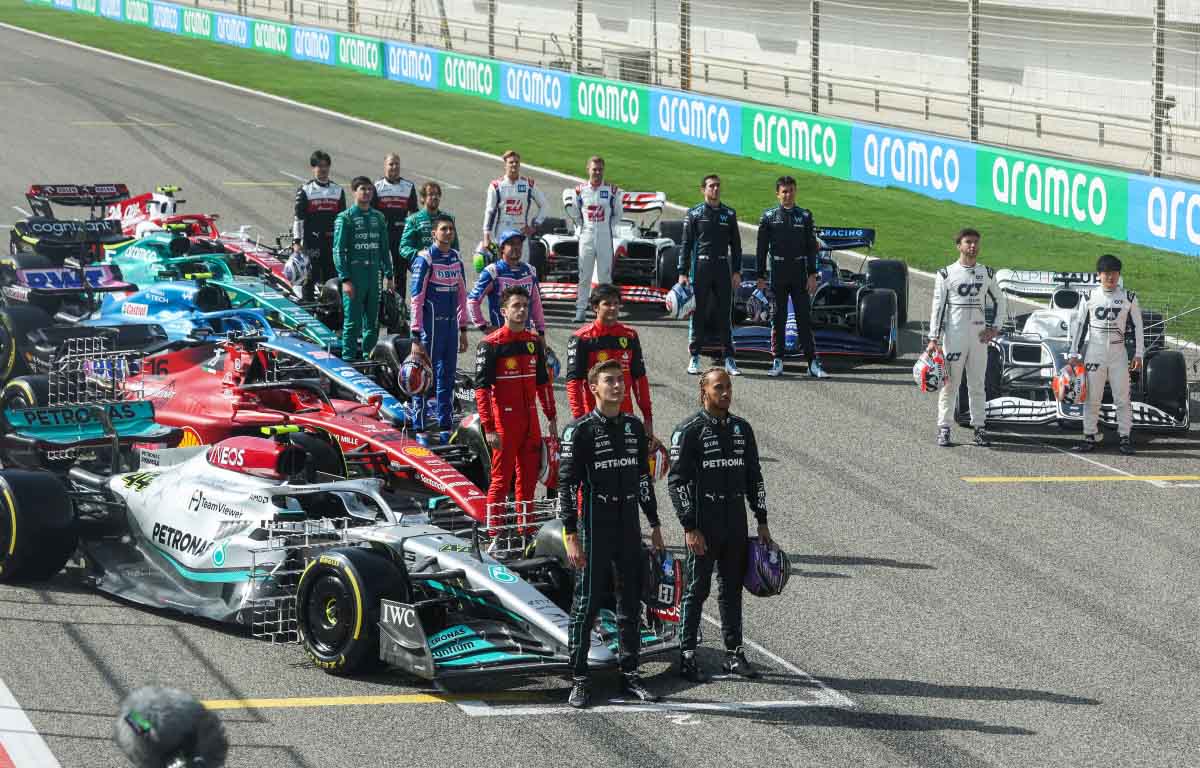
[{"x": 439, "y": 307}]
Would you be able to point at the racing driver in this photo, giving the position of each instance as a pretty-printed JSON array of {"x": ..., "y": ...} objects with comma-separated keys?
[
  {"x": 959, "y": 328},
  {"x": 508, "y": 203},
  {"x": 1101, "y": 321},
  {"x": 439, "y": 308},
  {"x": 607, "y": 339},
  {"x": 604, "y": 463},
  {"x": 596, "y": 213},
  {"x": 511, "y": 377},
  {"x": 360, "y": 255},
  {"x": 396, "y": 197},
  {"x": 497, "y": 276},
  {"x": 711, "y": 259},
  {"x": 418, "y": 228},
  {"x": 318, "y": 202}
]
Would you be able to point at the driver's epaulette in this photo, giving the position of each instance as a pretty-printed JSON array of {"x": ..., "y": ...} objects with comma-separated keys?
[
  {"x": 944, "y": 273},
  {"x": 1130, "y": 294},
  {"x": 990, "y": 272}
]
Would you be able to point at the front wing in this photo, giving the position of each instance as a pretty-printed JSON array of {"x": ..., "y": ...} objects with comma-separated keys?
[
  {"x": 756, "y": 340},
  {"x": 1017, "y": 410}
]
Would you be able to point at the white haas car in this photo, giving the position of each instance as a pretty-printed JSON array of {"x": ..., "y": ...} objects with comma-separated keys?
[
  {"x": 247, "y": 532},
  {"x": 644, "y": 250},
  {"x": 1033, "y": 349}
]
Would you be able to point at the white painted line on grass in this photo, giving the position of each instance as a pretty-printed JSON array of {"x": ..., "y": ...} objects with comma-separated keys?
[{"x": 24, "y": 745}]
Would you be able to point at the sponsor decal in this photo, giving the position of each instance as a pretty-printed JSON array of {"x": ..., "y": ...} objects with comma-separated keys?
[
  {"x": 259, "y": 498},
  {"x": 1053, "y": 192},
  {"x": 135, "y": 309},
  {"x": 218, "y": 556},
  {"x": 180, "y": 541},
  {"x": 190, "y": 438},
  {"x": 417, "y": 451},
  {"x": 722, "y": 463},
  {"x": 271, "y": 38},
  {"x": 399, "y": 614},
  {"x": 137, "y": 11},
  {"x": 537, "y": 89},
  {"x": 164, "y": 18},
  {"x": 224, "y": 456},
  {"x": 197, "y": 23},
  {"x": 606, "y": 102},
  {"x": 62, "y": 278},
  {"x": 1164, "y": 214},
  {"x": 72, "y": 415},
  {"x": 86, "y": 6},
  {"x": 462, "y": 548},
  {"x": 797, "y": 140},
  {"x": 232, "y": 30},
  {"x": 139, "y": 481},
  {"x": 691, "y": 119},
  {"x": 469, "y": 75},
  {"x": 627, "y": 461},
  {"x": 360, "y": 54},
  {"x": 938, "y": 168},
  {"x": 64, "y": 5},
  {"x": 199, "y": 503}
]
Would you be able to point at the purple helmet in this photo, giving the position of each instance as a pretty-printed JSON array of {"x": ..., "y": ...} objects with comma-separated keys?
[{"x": 767, "y": 568}]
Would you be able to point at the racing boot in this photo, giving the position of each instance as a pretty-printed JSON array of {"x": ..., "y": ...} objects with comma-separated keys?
[
  {"x": 1126, "y": 446},
  {"x": 581, "y": 693},
  {"x": 736, "y": 663},
  {"x": 694, "y": 366},
  {"x": 1087, "y": 445},
  {"x": 689, "y": 668},
  {"x": 943, "y": 438},
  {"x": 632, "y": 688},
  {"x": 731, "y": 367},
  {"x": 776, "y": 368},
  {"x": 816, "y": 370},
  {"x": 981, "y": 438}
]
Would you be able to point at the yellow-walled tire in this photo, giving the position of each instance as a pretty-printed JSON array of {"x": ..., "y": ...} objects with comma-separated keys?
[{"x": 37, "y": 526}]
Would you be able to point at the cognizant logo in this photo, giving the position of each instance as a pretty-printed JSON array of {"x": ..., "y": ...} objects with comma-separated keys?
[
  {"x": 358, "y": 53},
  {"x": 608, "y": 102},
  {"x": 467, "y": 75},
  {"x": 795, "y": 139},
  {"x": 532, "y": 87},
  {"x": 690, "y": 117},
  {"x": 1050, "y": 190},
  {"x": 911, "y": 162}
]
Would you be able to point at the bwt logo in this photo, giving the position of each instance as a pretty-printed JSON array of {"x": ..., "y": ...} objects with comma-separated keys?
[
  {"x": 608, "y": 102},
  {"x": 53, "y": 278},
  {"x": 689, "y": 117},
  {"x": 135, "y": 10},
  {"x": 358, "y": 53},
  {"x": 310, "y": 44},
  {"x": 271, "y": 37},
  {"x": 233, "y": 30},
  {"x": 1163, "y": 217},
  {"x": 1052, "y": 191},
  {"x": 411, "y": 64},
  {"x": 795, "y": 139},
  {"x": 534, "y": 87},
  {"x": 911, "y": 162},
  {"x": 468, "y": 75},
  {"x": 166, "y": 17},
  {"x": 195, "y": 23}
]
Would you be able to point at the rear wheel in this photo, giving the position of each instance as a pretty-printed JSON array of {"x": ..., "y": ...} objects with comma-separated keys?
[
  {"x": 537, "y": 256},
  {"x": 1165, "y": 382},
  {"x": 37, "y": 525},
  {"x": 877, "y": 315},
  {"x": 668, "y": 267},
  {"x": 672, "y": 229},
  {"x": 888, "y": 273},
  {"x": 550, "y": 226},
  {"x": 337, "y": 607},
  {"x": 16, "y": 323}
]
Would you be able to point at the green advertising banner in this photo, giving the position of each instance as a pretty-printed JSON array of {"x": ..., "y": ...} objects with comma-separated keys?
[
  {"x": 270, "y": 37},
  {"x": 137, "y": 12},
  {"x": 470, "y": 75},
  {"x": 611, "y": 103},
  {"x": 1053, "y": 192},
  {"x": 796, "y": 140},
  {"x": 195, "y": 22},
  {"x": 362, "y": 54}
]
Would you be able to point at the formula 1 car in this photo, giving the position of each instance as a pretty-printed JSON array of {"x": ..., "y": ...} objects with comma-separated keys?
[
  {"x": 644, "y": 251},
  {"x": 243, "y": 532},
  {"x": 853, "y": 314},
  {"x": 1023, "y": 362},
  {"x": 40, "y": 241}
]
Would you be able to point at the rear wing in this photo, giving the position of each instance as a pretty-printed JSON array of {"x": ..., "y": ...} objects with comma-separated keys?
[
  {"x": 640, "y": 202},
  {"x": 50, "y": 231},
  {"x": 40, "y": 196},
  {"x": 845, "y": 238},
  {"x": 70, "y": 426},
  {"x": 1043, "y": 283}
]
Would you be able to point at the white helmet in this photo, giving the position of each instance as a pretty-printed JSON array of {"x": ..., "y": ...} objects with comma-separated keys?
[
  {"x": 681, "y": 302},
  {"x": 930, "y": 371},
  {"x": 296, "y": 270}
]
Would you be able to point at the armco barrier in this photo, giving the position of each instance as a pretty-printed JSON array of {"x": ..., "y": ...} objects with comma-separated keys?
[{"x": 1159, "y": 213}]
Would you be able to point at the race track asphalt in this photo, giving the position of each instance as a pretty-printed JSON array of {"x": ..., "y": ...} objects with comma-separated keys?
[{"x": 954, "y": 624}]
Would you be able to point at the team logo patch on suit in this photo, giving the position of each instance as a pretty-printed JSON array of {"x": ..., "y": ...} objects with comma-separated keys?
[{"x": 624, "y": 342}]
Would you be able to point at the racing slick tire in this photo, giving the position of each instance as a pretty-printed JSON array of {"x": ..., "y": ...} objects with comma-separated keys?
[
  {"x": 991, "y": 387},
  {"x": 1165, "y": 382},
  {"x": 16, "y": 323},
  {"x": 479, "y": 469},
  {"x": 877, "y": 315},
  {"x": 671, "y": 229},
  {"x": 337, "y": 606},
  {"x": 888, "y": 273},
  {"x": 558, "y": 578},
  {"x": 667, "y": 274},
  {"x": 537, "y": 256},
  {"x": 549, "y": 226},
  {"x": 37, "y": 525},
  {"x": 323, "y": 455}
]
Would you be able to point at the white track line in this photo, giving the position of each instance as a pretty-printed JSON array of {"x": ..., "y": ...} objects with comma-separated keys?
[
  {"x": 25, "y": 746},
  {"x": 300, "y": 179},
  {"x": 1088, "y": 459},
  {"x": 21, "y": 211}
]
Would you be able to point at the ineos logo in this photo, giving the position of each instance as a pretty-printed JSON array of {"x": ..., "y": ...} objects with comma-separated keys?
[{"x": 228, "y": 457}]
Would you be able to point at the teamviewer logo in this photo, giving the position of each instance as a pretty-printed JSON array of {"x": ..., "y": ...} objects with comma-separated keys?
[{"x": 197, "y": 500}]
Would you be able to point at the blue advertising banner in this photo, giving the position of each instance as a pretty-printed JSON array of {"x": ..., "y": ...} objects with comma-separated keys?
[
  {"x": 543, "y": 90},
  {"x": 411, "y": 64},
  {"x": 232, "y": 30},
  {"x": 110, "y": 9},
  {"x": 934, "y": 167},
  {"x": 696, "y": 120},
  {"x": 1164, "y": 214},
  {"x": 165, "y": 18},
  {"x": 309, "y": 44}
]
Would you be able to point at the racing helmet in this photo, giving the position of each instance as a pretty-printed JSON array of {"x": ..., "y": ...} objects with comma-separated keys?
[
  {"x": 553, "y": 365},
  {"x": 662, "y": 580},
  {"x": 548, "y": 468},
  {"x": 297, "y": 268},
  {"x": 485, "y": 254},
  {"x": 758, "y": 307},
  {"x": 930, "y": 371},
  {"x": 681, "y": 302},
  {"x": 1070, "y": 384},
  {"x": 660, "y": 462},
  {"x": 767, "y": 568},
  {"x": 414, "y": 377}
]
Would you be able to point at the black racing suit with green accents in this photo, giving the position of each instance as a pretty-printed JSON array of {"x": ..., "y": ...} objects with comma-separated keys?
[
  {"x": 714, "y": 472},
  {"x": 603, "y": 477}
]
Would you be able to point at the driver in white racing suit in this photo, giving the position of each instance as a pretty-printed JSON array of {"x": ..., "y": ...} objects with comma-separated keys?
[
  {"x": 1099, "y": 339},
  {"x": 596, "y": 213},
  {"x": 959, "y": 327},
  {"x": 509, "y": 204}
]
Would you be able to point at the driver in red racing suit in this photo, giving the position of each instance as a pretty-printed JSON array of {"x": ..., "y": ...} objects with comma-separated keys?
[{"x": 511, "y": 376}]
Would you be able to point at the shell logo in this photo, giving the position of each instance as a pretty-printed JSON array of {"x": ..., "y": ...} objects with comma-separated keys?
[
  {"x": 191, "y": 438},
  {"x": 510, "y": 363},
  {"x": 601, "y": 357},
  {"x": 417, "y": 451}
]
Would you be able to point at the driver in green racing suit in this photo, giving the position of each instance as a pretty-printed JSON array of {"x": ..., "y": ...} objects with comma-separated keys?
[
  {"x": 418, "y": 227},
  {"x": 360, "y": 255}
]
